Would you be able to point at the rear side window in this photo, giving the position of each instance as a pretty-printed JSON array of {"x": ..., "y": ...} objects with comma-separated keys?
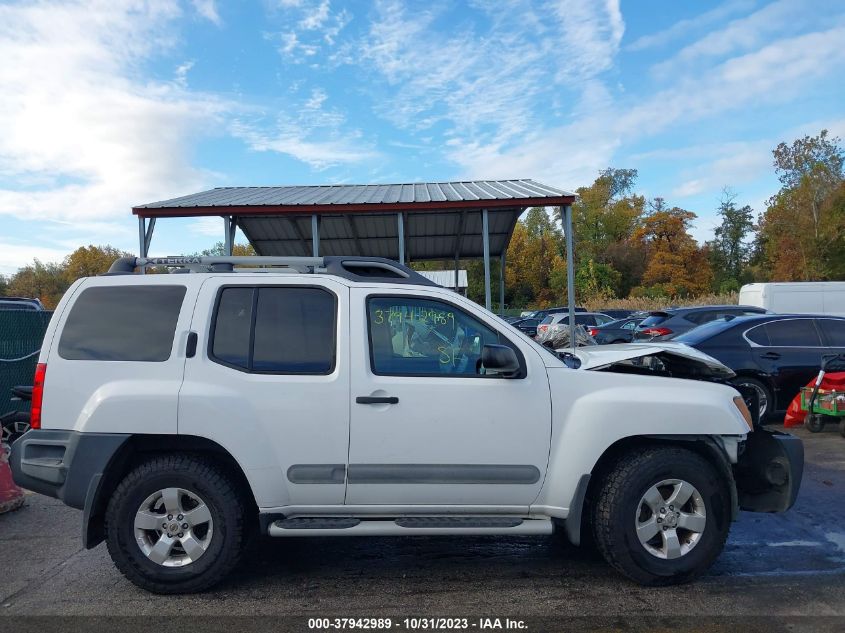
[
  {"x": 288, "y": 330},
  {"x": 758, "y": 335},
  {"x": 793, "y": 333},
  {"x": 834, "y": 331},
  {"x": 122, "y": 323},
  {"x": 653, "y": 319},
  {"x": 583, "y": 319}
]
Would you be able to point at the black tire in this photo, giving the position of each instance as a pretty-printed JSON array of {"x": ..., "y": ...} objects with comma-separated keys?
[
  {"x": 617, "y": 507},
  {"x": 761, "y": 388},
  {"x": 814, "y": 422},
  {"x": 219, "y": 493}
]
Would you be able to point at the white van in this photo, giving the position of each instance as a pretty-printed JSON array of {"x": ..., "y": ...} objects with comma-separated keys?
[{"x": 796, "y": 297}]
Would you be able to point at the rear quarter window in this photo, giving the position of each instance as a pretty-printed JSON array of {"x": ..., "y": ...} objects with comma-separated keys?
[{"x": 122, "y": 323}]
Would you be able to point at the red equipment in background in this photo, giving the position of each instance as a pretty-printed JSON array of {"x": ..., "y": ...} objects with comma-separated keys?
[
  {"x": 11, "y": 497},
  {"x": 831, "y": 382}
]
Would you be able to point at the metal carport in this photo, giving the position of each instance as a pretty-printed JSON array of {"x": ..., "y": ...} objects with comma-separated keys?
[{"x": 405, "y": 222}]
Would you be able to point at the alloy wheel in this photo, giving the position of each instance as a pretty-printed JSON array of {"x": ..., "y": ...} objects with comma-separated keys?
[
  {"x": 670, "y": 519},
  {"x": 173, "y": 527}
]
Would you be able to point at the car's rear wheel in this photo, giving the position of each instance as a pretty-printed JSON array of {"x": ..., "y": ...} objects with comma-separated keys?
[
  {"x": 764, "y": 396},
  {"x": 662, "y": 515},
  {"x": 175, "y": 524}
]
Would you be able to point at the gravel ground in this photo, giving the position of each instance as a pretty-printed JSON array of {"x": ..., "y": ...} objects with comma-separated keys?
[{"x": 774, "y": 565}]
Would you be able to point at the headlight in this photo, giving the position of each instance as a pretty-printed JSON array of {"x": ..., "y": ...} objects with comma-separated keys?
[{"x": 743, "y": 409}]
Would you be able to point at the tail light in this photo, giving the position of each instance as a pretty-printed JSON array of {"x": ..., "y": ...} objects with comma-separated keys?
[
  {"x": 656, "y": 331},
  {"x": 542, "y": 328},
  {"x": 37, "y": 396},
  {"x": 593, "y": 331}
]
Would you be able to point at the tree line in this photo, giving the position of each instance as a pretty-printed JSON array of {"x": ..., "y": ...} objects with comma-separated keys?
[{"x": 625, "y": 245}]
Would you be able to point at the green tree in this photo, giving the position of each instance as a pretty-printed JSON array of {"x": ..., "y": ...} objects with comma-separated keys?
[
  {"x": 89, "y": 261},
  {"x": 605, "y": 213},
  {"x": 46, "y": 282},
  {"x": 219, "y": 249},
  {"x": 800, "y": 233},
  {"x": 730, "y": 249}
]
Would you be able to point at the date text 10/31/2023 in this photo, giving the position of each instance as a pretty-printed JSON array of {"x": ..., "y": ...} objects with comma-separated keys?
[{"x": 418, "y": 624}]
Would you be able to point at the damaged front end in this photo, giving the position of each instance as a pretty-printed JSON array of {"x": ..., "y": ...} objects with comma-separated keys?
[{"x": 770, "y": 463}]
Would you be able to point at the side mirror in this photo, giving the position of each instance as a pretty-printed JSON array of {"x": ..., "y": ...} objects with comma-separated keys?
[{"x": 500, "y": 359}]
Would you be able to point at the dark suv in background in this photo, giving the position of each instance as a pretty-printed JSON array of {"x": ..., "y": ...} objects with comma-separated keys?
[{"x": 661, "y": 325}]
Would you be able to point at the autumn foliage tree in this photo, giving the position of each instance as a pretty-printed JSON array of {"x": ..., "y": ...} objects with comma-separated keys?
[{"x": 677, "y": 267}]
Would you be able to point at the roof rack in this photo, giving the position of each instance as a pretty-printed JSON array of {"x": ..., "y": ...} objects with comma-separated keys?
[{"x": 376, "y": 269}]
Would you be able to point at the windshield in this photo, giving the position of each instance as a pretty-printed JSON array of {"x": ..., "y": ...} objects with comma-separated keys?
[{"x": 706, "y": 331}]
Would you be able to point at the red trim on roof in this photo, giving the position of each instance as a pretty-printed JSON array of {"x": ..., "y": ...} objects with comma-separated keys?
[{"x": 386, "y": 207}]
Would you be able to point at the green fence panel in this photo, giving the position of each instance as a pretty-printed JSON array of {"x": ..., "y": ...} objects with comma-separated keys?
[{"x": 21, "y": 335}]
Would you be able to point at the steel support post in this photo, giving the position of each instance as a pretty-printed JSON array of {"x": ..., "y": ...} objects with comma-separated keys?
[
  {"x": 570, "y": 272},
  {"x": 485, "y": 230},
  {"x": 315, "y": 235},
  {"x": 228, "y": 236},
  {"x": 400, "y": 227},
  {"x": 502, "y": 285}
]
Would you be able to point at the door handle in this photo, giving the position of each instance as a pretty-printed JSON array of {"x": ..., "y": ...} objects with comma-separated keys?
[
  {"x": 377, "y": 400},
  {"x": 191, "y": 346},
  {"x": 770, "y": 356}
]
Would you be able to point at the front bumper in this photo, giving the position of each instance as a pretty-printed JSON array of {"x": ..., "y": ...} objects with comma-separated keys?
[
  {"x": 66, "y": 465},
  {"x": 768, "y": 473}
]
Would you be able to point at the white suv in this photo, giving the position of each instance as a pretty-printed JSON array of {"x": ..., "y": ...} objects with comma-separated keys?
[{"x": 350, "y": 396}]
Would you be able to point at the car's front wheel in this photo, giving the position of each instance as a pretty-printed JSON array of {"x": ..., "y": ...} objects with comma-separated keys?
[
  {"x": 175, "y": 524},
  {"x": 662, "y": 515}
]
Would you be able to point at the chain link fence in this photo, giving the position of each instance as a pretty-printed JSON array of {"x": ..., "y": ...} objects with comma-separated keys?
[{"x": 21, "y": 335}]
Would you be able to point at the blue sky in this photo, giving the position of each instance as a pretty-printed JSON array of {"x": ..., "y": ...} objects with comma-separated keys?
[{"x": 109, "y": 103}]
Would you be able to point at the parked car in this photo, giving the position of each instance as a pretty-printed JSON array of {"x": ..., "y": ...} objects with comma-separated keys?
[
  {"x": 775, "y": 354},
  {"x": 619, "y": 331},
  {"x": 528, "y": 326},
  {"x": 797, "y": 297},
  {"x": 20, "y": 303},
  {"x": 542, "y": 314},
  {"x": 323, "y": 401},
  {"x": 559, "y": 320},
  {"x": 661, "y": 325},
  {"x": 619, "y": 314}
]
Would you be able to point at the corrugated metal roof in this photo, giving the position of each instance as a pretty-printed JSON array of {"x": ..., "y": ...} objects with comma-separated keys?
[
  {"x": 427, "y": 193},
  {"x": 446, "y": 278}
]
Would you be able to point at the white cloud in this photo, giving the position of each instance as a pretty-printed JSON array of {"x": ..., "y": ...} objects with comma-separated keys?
[
  {"x": 486, "y": 85},
  {"x": 778, "y": 19},
  {"x": 212, "y": 227},
  {"x": 571, "y": 155},
  {"x": 208, "y": 10},
  {"x": 314, "y": 135},
  {"x": 316, "y": 16},
  {"x": 15, "y": 256},
  {"x": 682, "y": 28},
  {"x": 75, "y": 114}
]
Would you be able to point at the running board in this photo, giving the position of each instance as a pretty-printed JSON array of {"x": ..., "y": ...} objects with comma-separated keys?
[{"x": 410, "y": 526}]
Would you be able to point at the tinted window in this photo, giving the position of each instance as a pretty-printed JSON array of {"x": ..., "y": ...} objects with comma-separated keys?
[
  {"x": 793, "y": 333},
  {"x": 122, "y": 323},
  {"x": 232, "y": 326},
  {"x": 547, "y": 320},
  {"x": 654, "y": 319},
  {"x": 276, "y": 330},
  {"x": 421, "y": 337},
  {"x": 834, "y": 331},
  {"x": 705, "y": 332},
  {"x": 583, "y": 319},
  {"x": 758, "y": 335},
  {"x": 294, "y": 331},
  {"x": 700, "y": 317}
]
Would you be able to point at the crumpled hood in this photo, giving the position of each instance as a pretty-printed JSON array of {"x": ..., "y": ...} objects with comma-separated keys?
[{"x": 601, "y": 356}]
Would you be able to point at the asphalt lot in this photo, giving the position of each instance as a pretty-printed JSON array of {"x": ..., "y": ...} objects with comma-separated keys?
[{"x": 774, "y": 565}]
